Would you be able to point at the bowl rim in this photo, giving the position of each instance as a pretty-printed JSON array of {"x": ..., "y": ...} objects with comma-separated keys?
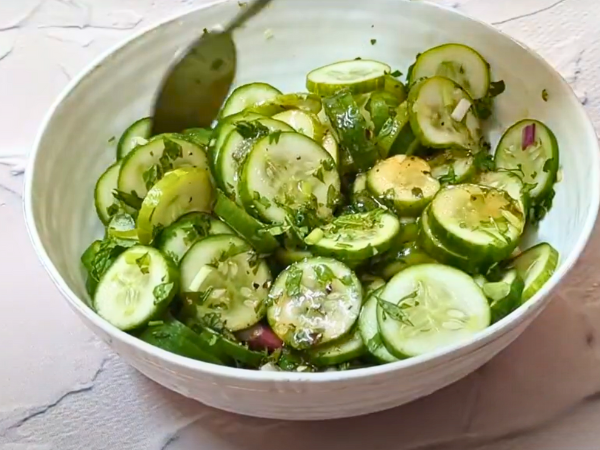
[{"x": 483, "y": 338}]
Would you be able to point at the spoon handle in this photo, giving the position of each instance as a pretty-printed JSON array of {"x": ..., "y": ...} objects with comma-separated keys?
[{"x": 247, "y": 13}]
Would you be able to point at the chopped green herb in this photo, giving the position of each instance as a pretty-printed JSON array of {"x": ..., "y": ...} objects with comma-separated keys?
[
  {"x": 131, "y": 199},
  {"x": 450, "y": 177},
  {"x": 397, "y": 312},
  {"x": 396, "y": 74},
  {"x": 152, "y": 175},
  {"x": 319, "y": 175},
  {"x": 293, "y": 282},
  {"x": 217, "y": 64},
  {"x": 143, "y": 263},
  {"x": 545, "y": 95},
  {"x": 156, "y": 323},
  {"x": 332, "y": 196},
  {"x": 162, "y": 292},
  {"x": 547, "y": 166},
  {"x": 417, "y": 192},
  {"x": 251, "y": 130},
  {"x": 112, "y": 140},
  {"x": 484, "y": 162},
  {"x": 274, "y": 137},
  {"x": 262, "y": 200},
  {"x": 483, "y": 106},
  {"x": 373, "y": 41},
  {"x": 324, "y": 274}
]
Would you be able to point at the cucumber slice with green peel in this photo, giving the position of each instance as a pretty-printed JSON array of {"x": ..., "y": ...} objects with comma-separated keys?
[
  {"x": 429, "y": 242},
  {"x": 122, "y": 229},
  {"x": 396, "y": 88},
  {"x": 354, "y": 238},
  {"x": 302, "y": 122},
  {"x": 313, "y": 302},
  {"x": 351, "y": 129},
  {"x": 428, "y": 307},
  {"x": 146, "y": 165},
  {"x": 394, "y": 129},
  {"x": 173, "y": 336},
  {"x": 509, "y": 182},
  {"x": 530, "y": 149},
  {"x": 248, "y": 95},
  {"x": 396, "y": 261},
  {"x": 104, "y": 200},
  {"x": 371, "y": 283},
  {"x": 458, "y": 62},
  {"x": 175, "y": 240},
  {"x": 306, "y": 102},
  {"x": 292, "y": 177},
  {"x": 330, "y": 144},
  {"x": 344, "y": 349},
  {"x": 237, "y": 146},
  {"x": 452, "y": 166},
  {"x": 225, "y": 283},
  {"x": 255, "y": 232},
  {"x": 137, "y": 134},
  {"x": 381, "y": 106},
  {"x": 137, "y": 288},
  {"x": 535, "y": 266},
  {"x": 359, "y": 76},
  {"x": 369, "y": 330},
  {"x": 200, "y": 136},
  {"x": 288, "y": 256},
  {"x": 504, "y": 295},
  {"x": 180, "y": 192},
  {"x": 477, "y": 221},
  {"x": 227, "y": 347},
  {"x": 361, "y": 197},
  {"x": 432, "y": 107},
  {"x": 222, "y": 130},
  {"x": 403, "y": 182}
]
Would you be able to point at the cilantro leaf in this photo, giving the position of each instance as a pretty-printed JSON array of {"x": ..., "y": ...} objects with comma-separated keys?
[
  {"x": 130, "y": 199},
  {"x": 143, "y": 262},
  {"x": 162, "y": 292}
]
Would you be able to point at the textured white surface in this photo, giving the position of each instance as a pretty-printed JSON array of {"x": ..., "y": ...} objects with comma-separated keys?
[{"x": 64, "y": 390}]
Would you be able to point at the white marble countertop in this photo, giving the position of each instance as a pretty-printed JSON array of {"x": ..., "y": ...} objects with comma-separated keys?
[{"x": 61, "y": 388}]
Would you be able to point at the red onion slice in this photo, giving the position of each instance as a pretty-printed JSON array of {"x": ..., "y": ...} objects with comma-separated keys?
[
  {"x": 260, "y": 337},
  {"x": 528, "y": 136}
]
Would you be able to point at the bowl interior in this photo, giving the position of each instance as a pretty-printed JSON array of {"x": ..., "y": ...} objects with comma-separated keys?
[{"x": 75, "y": 143}]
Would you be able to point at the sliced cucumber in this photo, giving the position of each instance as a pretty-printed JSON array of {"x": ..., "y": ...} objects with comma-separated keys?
[
  {"x": 248, "y": 95},
  {"x": 175, "y": 240},
  {"x": 404, "y": 182},
  {"x": 382, "y": 106},
  {"x": 362, "y": 199},
  {"x": 227, "y": 347},
  {"x": 371, "y": 283},
  {"x": 173, "y": 336},
  {"x": 506, "y": 181},
  {"x": 292, "y": 177},
  {"x": 231, "y": 283},
  {"x": 391, "y": 138},
  {"x": 351, "y": 128},
  {"x": 121, "y": 229},
  {"x": 535, "y": 266},
  {"x": 504, "y": 295},
  {"x": 431, "y": 104},
  {"x": 437, "y": 250},
  {"x": 396, "y": 261},
  {"x": 180, "y": 192},
  {"x": 137, "y": 134},
  {"x": 460, "y": 63},
  {"x": 302, "y": 122},
  {"x": 358, "y": 76},
  {"x": 136, "y": 288},
  {"x": 237, "y": 146},
  {"x": 330, "y": 144},
  {"x": 369, "y": 330},
  {"x": 287, "y": 256},
  {"x": 104, "y": 199},
  {"x": 222, "y": 130},
  {"x": 530, "y": 149},
  {"x": 147, "y": 164},
  {"x": 428, "y": 307},
  {"x": 255, "y": 232},
  {"x": 199, "y": 136},
  {"x": 477, "y": 221},
  {"x": 395, "y": 87},
  {"x": 354, "y": 238},
  {"x": 344, "y": 349},
  {"x": 452, "y": 166},
  {"x": 306, "y": 102},
  {"x": 313, "y": 302}
]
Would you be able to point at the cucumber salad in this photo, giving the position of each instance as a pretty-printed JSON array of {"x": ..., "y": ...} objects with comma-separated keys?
[{"x": 362, "y": 222}]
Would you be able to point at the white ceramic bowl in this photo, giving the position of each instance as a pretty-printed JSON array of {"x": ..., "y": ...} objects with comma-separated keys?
[{"x": 72, "y": 151}]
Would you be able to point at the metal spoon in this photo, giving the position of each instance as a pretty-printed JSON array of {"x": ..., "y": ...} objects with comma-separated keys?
[{"x": 197, "y": 83}]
